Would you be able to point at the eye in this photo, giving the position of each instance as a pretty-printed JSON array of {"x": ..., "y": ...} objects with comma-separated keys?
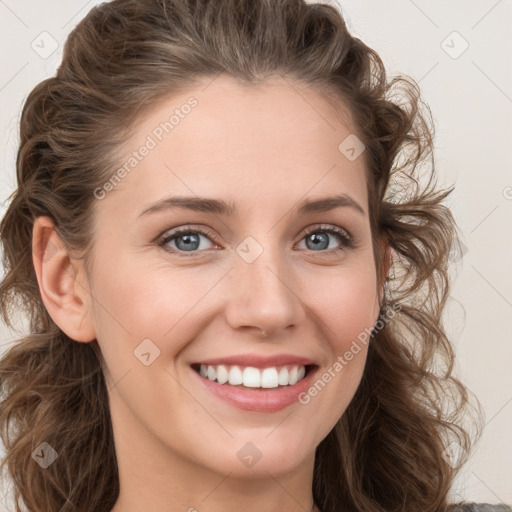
[
  {"x": 185, "y": 240},
  {"x": 188, "y": 240},
  {"x": 317, "y": 238}
]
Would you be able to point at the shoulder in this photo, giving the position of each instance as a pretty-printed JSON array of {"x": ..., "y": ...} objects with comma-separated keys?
[{"x": 479, "y": 507}]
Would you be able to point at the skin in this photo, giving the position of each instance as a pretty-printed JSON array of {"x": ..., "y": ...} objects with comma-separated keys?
[{"x": 264, "y": 148}]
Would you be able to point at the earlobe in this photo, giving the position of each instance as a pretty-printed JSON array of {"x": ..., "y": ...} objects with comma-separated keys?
[{"x": 61, "y": 281}]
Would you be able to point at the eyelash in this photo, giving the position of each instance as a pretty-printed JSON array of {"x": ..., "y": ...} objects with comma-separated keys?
[{"x": 346, "y": 239}]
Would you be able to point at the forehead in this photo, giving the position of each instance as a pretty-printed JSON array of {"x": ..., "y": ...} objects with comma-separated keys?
[{"x": 278, "y": 138}]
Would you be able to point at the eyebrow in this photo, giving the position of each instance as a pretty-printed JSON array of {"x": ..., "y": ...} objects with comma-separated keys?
[{"x": 220, "y": 207}]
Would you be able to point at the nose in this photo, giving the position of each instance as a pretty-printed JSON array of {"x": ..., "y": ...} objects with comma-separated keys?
[{"x": 264, "y": 295}]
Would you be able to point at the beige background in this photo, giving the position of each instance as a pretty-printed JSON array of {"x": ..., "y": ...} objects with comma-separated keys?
[{"x": 470, "y": 93}]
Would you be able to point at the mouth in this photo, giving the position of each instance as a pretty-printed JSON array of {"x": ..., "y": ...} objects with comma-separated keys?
[
  {"x": 259, "y": 389},
  {"x": 250, "y": 377}
]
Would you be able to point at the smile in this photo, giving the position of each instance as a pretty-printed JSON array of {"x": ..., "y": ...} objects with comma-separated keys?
[
  {"x": 251, "y": 377},
  {"x": 259, "y": 388}
]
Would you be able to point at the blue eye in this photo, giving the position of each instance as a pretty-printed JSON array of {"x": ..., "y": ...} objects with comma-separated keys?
[
  {"x": 188, "y": 240},
  {"x": 185, "y": 239},
  {"x": 319, "y": 236}
]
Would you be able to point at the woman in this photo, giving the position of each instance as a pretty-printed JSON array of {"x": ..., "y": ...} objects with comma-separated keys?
[{"x": 194, "y": 345}]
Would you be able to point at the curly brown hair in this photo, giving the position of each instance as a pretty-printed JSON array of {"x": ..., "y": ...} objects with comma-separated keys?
[{"x": 388, "y": 450}]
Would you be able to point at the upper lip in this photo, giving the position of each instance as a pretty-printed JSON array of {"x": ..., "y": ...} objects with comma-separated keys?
[{"x": 258, "y": 361}]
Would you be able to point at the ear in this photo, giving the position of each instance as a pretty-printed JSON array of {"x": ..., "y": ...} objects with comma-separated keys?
[{"x": 62, "y": 283}]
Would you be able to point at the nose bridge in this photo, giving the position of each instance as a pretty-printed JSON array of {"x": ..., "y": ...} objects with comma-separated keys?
[{"x": 262, "y": 291}]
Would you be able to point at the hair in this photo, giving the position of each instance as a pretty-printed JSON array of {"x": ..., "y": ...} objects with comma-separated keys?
[{"x": 388, "y": 450}]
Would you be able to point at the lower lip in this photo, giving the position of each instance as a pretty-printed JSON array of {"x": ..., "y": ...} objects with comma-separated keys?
[{"x": 259, "y": 399}]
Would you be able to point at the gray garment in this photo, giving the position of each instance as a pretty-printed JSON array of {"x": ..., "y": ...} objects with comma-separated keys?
[{"x": 479, "y": 507}]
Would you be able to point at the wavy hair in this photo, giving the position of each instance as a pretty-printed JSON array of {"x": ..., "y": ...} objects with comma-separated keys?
[{"x": 388, "y": 451}]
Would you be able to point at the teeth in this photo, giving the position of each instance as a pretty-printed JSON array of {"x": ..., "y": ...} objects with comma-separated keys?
[
  {"x": 235, "y": 376},
  {"x": 212, "y": 373},
  {"x": 251, "y": 377},
  {"x": 222, "y": 374},
  {"x": 292, "y": 378},
  {"x": 283, "y": 376},
  {"x": 269, "y": 378}
]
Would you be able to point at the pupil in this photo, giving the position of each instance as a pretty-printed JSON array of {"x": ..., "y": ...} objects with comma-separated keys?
[
  {"x": 190, "y": 240},
  {"x": 319, "y": 238}
]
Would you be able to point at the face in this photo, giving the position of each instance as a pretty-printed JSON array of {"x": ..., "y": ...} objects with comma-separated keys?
[{"x": 255, "y": 280}]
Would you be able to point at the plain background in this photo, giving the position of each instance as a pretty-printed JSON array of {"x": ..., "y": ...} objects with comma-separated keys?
[{"x": 459, "y": 53}]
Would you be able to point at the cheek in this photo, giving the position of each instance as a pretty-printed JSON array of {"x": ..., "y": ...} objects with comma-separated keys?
[
  {"x": 346, "y": 302},
  {"x": 347, "y": 307},
  {"x": 134, "y": 302},
  {"x": 145, "y": 302}
]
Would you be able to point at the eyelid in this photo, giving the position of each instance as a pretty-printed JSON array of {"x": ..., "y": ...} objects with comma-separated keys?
[{"x": 326, "y": 227}]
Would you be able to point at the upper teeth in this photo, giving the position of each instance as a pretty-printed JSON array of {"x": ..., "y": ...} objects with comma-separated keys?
[{"x": 254, "y": 377}]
